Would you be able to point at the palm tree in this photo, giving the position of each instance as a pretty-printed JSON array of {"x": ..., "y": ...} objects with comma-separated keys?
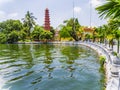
[
  {"x": 100, "y": 33},
  {"x": 80, "y": 33},
  {"x": 29, "y": 22},
  {"x": 111, "y": 9},
  {"x": 106, "y": 32},
  {"x": 115, "y": 25},
  {"x": 110, "y": 35},
  {"x": 117, "y": 36},
  {"x": 74, "y": 24}
]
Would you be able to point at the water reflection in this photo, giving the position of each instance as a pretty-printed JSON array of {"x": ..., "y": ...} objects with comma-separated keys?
[
  {"x": 48, "y": 67},
  {"x": 71, "y": 54}
]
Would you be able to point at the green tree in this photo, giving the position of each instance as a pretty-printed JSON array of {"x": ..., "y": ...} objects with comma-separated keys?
[
  {"x": 106, "y": 32},
  {"x": 11, "y": 28},
  {"x": 64, "y": 32},
  {"x": 95, "y": 34},
  {"x": 74, "y": 24},
  {"x": 72, "y": 27},
  {"x": 29, "y": 22},
  {"x": 114, "y": 26},
  {"x": 13, "y": 36},
  {"x": 88, "y": 36},
  {"x": 52, "y": 31},
  {"x": 111, "y": 9},
  {"x": 10, "y": 25},
  {"x": 117, "y": 36},
  {"x": 101, "y": 33},
  {"x": 80, "y": 32},
  {"x": 46, "y": 35},
  {"x": 22, "y": 35},
  {"x": 3, "y": 38},
  {"x": 36, "y": 34}
]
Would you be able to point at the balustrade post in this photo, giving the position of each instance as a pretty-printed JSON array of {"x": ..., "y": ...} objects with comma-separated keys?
[{"x": 119, "y": 81}]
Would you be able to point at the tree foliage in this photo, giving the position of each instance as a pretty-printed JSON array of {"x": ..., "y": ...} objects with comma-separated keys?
[
  {"x": 3, "y": 38},
  {"x": 29, "y": 22},
  {"x": 111, "y": 9},
  {"x": 36, "y": 34},
  {"x": 10, "y": 25},
  {"x": 46, "y": 35},
  {"x": 12, "y": 37},
  {"x": 64, "y": 32},
  {"x": 70, "y": 29},
  {"x": 10, "y": 29}
]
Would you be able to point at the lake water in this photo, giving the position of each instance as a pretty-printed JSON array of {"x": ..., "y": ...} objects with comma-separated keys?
[{"x": 49, "y": 67}]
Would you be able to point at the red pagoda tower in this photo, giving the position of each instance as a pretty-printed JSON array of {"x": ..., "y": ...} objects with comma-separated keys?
[{"x": 47, "y": 20}]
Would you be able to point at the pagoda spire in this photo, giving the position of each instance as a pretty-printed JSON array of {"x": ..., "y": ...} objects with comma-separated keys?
[{"x": 47, "y": 20}]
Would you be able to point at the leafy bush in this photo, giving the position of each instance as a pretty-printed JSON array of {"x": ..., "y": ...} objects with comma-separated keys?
[
  {"x": 102, "y": 70},
  {"x": 102, "y": 60},
  {"x": 3, "y": 38},
  {"x": 27, "y": 40},
  {"x": 13, "y": 36},
  {"x": 114, "y": 53}
]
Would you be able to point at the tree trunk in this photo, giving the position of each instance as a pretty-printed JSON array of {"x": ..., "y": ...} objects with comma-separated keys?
[
  {"x": 112, "y": 43},
  {"x": 93, "y": 39},
  {"x": 74, "y": 36},
  {"x": 109, "y": 43},
  {"x": 105, "y": 41},
  {"x": 118, "y": 46}
]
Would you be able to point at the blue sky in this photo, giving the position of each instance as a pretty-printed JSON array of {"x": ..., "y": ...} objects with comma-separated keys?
[{"x": 59, "y": 10}]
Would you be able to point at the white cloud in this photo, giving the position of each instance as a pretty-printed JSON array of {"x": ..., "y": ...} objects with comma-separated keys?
[
  {"x": 95, "y": 2},
  {"x": 5, "y": 1},
  {"x": 12, "y": 15},
  {"x": 4, "y": 15},
  {"x": 77, "y": 9}
]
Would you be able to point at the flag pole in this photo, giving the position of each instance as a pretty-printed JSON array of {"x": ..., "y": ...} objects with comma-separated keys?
[{"x": 90, "y": 13}]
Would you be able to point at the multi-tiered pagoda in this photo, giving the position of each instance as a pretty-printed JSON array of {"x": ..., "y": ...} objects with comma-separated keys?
[{"x": 47, "y": 20}]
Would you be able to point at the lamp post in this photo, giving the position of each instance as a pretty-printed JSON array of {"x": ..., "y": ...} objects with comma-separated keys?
[
  {"x": 73, "y": 16},
  {"x": 90, "y": 12},
  {"x": 119, "y": 80},
  {"x": 73, "y": 8}
]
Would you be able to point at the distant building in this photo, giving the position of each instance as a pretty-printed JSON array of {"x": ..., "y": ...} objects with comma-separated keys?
[
  {"x": 47, "y": 20},
  {"x": 57, "y": 36},
  {"x": 88, "y": 30}
]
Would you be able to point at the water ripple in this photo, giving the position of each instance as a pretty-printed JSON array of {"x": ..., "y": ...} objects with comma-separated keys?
[{"x": 49, "y": 67}]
